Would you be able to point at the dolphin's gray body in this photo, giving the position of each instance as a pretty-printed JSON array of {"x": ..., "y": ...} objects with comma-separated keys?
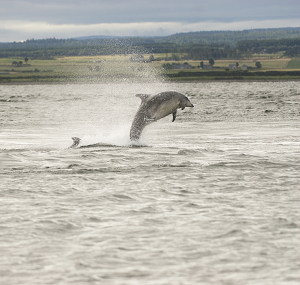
[{"x": 156, "y": 107}]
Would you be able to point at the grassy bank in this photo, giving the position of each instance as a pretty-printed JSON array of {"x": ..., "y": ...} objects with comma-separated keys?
[
  {"x": 78, "y": 69},
  {"x": 120, "y": 68},
  {"x": 272, "y": 69},
  {"x": 234, "y": 75}
]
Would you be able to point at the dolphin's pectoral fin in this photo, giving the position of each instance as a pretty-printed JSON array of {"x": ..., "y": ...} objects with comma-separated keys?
[
  {"x": 182, "y": 106},
  {"x": 174, "y": 115}
]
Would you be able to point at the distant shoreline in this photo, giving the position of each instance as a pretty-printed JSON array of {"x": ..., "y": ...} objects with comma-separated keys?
[{"x": 173, "y": 81}]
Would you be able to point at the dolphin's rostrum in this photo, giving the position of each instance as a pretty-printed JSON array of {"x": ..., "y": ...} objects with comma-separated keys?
[{"x": 156, "y": 107}]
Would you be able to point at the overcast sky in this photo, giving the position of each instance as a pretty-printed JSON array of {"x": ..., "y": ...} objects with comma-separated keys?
[{"x": 27, "y": 19}]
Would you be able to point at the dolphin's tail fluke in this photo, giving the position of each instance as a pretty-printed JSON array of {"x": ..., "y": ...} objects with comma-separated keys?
[
  {"x": 76, "y": 142},
  {"x": 135, "y": 133},
  {"x": 137, "y": 126}
]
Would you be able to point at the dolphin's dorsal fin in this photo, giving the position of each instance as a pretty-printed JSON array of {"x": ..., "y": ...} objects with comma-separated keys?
[
  {"x": 76, "y": 142},
  {"x": 144, "y": 97}
]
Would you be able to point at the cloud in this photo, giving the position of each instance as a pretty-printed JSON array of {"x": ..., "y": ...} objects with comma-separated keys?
[
  {"x": 120, "y": 11},
  {"x": 27, "y": 30},
  {"x": 23, "y": 19}
]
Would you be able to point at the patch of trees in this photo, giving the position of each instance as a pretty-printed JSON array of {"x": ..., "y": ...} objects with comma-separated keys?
[
  {"x": 203, "y": 37},
  {"x": 269, "y": 46},
  {"x": 195, "y": 52},
  {"x": 293, "y": 52},
  {"x": 61, "y": 43},
  {"x": 176, "y": 47},
  {"x": 230, "y": 37},
  {"x": 171, "y": 51},
  {"x": 17, "y": 63},
  {"x": 51, "y": 53}
]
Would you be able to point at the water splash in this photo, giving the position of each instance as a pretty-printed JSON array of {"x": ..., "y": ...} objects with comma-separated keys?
[
  {"x": 119, "y": 136},
  {"x": 119, "y": 62},
  {"x": 123, "y": 67}
]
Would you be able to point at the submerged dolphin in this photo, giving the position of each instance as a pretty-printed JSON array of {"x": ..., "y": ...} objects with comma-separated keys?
[
  {"x": 76, "y": 142},
  {"x": 156, "y": 107}
]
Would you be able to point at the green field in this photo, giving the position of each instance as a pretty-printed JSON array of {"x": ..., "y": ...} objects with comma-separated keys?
[
  {"x": 266, "y": 63},
  {"x": 120, "y": 68},
  {"x": 294, "y": 64},
  {"x": 78, "y": 69}
]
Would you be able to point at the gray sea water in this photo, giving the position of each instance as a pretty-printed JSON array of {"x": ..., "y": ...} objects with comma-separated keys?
[{"x": 212, "y": 198}]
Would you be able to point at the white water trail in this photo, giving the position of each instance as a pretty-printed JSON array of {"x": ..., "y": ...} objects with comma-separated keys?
[{"x": 118, "y": 136}]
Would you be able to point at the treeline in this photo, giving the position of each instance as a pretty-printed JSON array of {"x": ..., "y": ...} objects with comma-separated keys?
[
  {"x": 269, "y": 46},
  {"x": 195, "y": 51},
  {"x": 171, "y": 51},
  {"x": 53, "y": 52},
  {"x": 61, "y": 43},
  {"x": 175, "y": 47},
  {"x": 51, "y": 48},
  {"x": 202, "y": 37},
  {"x": 230, "y": 37}
]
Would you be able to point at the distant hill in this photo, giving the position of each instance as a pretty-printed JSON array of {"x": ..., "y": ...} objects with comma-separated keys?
[
  {"x": 197, "y": 45},
  {"x": 76, "y": 42},
  {"x": 97, "y": 37},
  {"x": 230, "y": 37},
  {"x": 201, "y": 37}
]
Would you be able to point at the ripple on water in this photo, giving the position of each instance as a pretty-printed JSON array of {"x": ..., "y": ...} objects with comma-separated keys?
[{"x": 212, "y": 198}]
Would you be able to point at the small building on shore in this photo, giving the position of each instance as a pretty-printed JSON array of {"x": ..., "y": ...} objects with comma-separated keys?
[
  {"x": 232, "y": 66},
  {"x": 206, "y": 66}
]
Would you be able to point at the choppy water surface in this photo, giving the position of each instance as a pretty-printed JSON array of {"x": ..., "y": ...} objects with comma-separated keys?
[{"x": 212, "y": 198}]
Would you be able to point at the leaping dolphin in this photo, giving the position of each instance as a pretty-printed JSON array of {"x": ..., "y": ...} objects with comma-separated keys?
[
  {"x": 155, "y": 107},
  {"x": 152, "y": 108}
]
